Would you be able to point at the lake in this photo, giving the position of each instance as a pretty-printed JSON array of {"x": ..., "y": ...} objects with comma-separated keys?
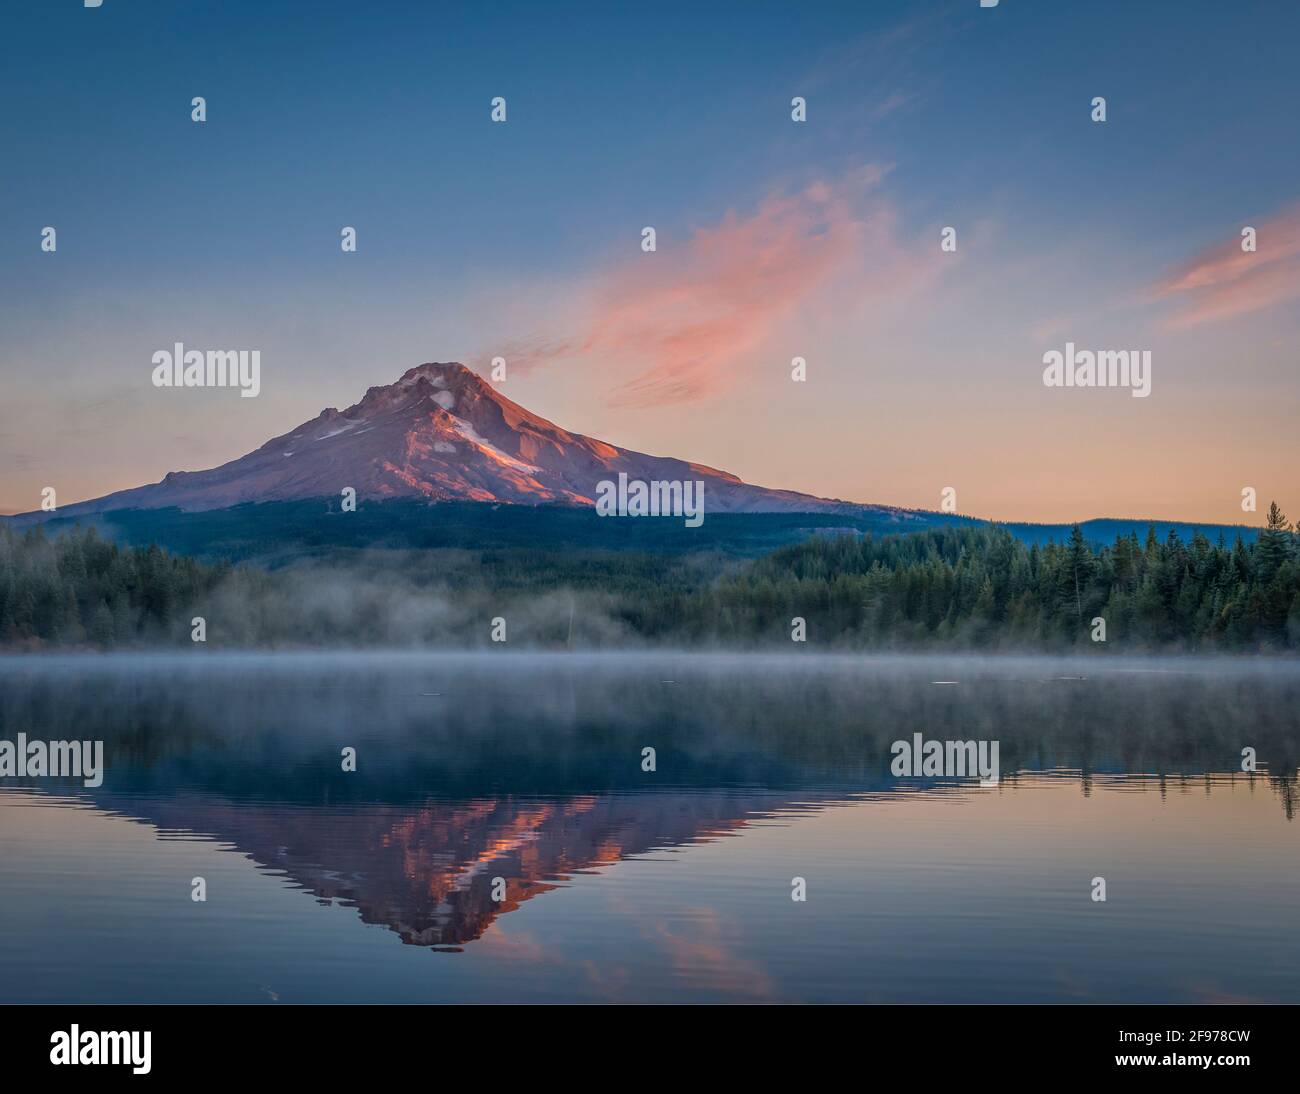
[{"x": 501, "y": 838}]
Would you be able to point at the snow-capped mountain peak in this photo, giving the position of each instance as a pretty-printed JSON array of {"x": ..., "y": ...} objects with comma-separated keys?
[{"x": 444, "y": 433}]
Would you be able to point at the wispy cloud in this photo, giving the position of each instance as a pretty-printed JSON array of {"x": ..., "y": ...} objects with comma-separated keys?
[
  {"x": 1224, "y": 281},
  {"x": 685, "y": 318},
  {"x": 893, "y": 101},
  {"x": 881, "y": 53}
]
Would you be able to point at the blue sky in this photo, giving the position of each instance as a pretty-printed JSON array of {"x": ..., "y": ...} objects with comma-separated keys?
[{"x": 476, "y": 238}]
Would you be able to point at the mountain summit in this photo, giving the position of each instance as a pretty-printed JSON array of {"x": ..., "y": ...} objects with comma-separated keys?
[{"x": 444, "y": 433}]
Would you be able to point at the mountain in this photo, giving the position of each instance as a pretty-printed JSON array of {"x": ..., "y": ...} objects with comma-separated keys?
[{"x": 443, "y": 433}]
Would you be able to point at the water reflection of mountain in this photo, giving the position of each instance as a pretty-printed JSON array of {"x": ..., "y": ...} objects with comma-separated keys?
[
  {"x": 427, "y": 871},
  {"x": 529, "y": 769}
]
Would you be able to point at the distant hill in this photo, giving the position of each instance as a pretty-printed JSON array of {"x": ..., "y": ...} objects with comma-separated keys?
[{"x": 1104, "y": 531}]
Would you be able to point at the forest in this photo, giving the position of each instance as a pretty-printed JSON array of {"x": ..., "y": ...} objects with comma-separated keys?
[
  {"x": 952, "y": 587},
  {"x": 982, "y": 587}
]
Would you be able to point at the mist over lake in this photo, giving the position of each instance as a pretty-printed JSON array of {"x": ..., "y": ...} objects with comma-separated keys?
[{"x": 501, "y": 838}]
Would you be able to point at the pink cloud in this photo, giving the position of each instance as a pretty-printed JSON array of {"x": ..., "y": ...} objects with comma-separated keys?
[
  {"x": 685, "y": 318},
  {"x": 1224, "y": 281},
  {"x": 706, "y": 957}
]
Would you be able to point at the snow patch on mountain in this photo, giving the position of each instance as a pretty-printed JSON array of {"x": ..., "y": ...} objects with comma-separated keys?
[
  {"x": 345, "y": 428},
  {"x": 467, "y": 431}
]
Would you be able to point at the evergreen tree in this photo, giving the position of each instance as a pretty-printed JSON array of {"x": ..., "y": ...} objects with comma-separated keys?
[{"x": 1274, "y": 547}]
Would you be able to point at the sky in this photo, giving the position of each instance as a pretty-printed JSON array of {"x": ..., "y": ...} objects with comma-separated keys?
[{"x": 775, "y": 238}]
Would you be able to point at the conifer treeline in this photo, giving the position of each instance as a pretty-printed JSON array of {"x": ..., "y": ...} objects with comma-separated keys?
[
  {"x": 982, "y": 587},
  {"x": 974, "y": 587},
  {"x": 81, "y": 589}
]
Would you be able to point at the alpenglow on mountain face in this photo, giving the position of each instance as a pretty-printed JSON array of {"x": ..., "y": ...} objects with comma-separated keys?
[{"x": 443, "y": 433}]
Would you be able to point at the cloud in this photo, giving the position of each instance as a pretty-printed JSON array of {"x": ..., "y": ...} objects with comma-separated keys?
[
  {"x": 705, "y": 956},
  {"x": 685, "y": 318},
  {"x": 1224, "y": 281},
  {"x": 893, "y": 101},
  {"x": 881, "y": 54}
]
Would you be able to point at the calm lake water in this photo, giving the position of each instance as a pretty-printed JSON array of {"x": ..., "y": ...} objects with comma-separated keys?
[{"x": 672, "y": 885}]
